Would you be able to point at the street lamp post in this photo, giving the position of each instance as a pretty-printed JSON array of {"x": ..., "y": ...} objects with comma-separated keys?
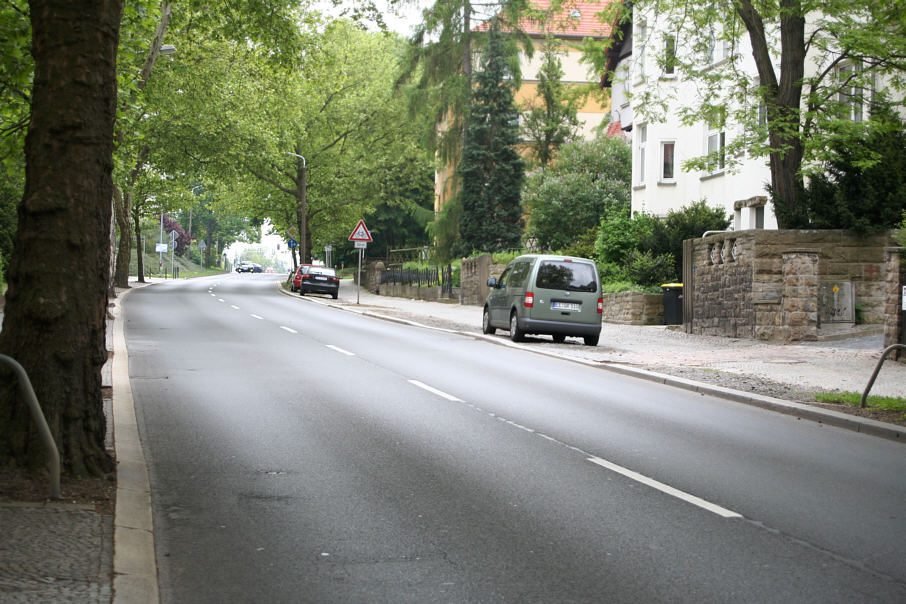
[
  {"x": 302, "y": 211},
  {"x": 160, "y": 265}
]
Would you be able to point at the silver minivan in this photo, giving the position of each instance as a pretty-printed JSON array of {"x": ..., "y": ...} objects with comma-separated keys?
[{"x": 546, "y": 294}]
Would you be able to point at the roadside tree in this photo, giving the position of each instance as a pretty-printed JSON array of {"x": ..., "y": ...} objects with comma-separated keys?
[
  {"x": 550, "y": 120},
  {"x": 589, "y": 182},
  {"x": 55, "y": 327},
  {"x": 491, "y": 170},
  {"x": 855, "y": 50}
]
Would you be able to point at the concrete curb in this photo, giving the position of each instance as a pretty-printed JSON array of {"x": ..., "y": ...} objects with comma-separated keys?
[
  {"x": 134, "y": 562},
  {"x": 798, "y": 410}
]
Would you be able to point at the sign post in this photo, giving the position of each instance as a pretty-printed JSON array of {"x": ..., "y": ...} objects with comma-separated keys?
[{"x": 361, "y": 236}]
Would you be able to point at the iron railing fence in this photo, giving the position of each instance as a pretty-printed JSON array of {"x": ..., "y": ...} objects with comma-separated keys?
[{"x": 432, "y": 276}]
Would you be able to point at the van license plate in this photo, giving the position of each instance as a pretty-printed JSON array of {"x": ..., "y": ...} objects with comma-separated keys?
[{"x": 566, "y": 305}]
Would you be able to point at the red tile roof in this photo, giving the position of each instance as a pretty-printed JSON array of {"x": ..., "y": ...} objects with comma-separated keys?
[{"x": 566, "y": 23}]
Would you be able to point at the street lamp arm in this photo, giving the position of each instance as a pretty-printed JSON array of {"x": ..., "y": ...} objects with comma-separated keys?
[{"x": 297, "y": 155}]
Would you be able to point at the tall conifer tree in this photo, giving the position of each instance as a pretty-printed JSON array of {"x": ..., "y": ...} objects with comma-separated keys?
[{"x": 491, "y": 171}]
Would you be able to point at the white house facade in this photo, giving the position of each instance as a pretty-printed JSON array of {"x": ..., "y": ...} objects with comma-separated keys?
[{"x": 661, "y": 147}]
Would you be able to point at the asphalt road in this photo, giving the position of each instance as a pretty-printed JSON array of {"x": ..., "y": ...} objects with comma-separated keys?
[{"x": 300, "y": 453}]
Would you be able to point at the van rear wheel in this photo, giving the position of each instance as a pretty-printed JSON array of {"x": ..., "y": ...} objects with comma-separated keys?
[
  {"x": 516, "y": 334},
  {"x": 486, "y": 326}
]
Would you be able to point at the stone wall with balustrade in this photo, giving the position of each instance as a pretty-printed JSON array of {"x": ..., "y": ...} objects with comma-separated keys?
[{"x": 785, "y": 285}]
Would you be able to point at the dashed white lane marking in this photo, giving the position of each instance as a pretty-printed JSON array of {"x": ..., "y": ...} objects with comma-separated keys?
[
  {"x": 706, "y": 505},
  {"x": 340, "y": 350},
  {"x": 257, "y": 317},
  {"x": 640, "y": 478},
  {"x": 289, "y": 329},
  {"x": 233, "y": 306},
  {"x": 439, "y": 393},
  {"x": 221, "y": 300}
]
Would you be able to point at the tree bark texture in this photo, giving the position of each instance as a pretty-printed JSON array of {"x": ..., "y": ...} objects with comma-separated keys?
[
  {"x": 122, "y": 209},
  {"x": 783, "y": 100},
  {"x": 139, "y": 255},
  {"x": 56, "y": 302}
]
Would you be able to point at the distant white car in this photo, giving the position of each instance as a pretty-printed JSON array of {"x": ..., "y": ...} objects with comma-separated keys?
[{"x": 248, "y": 267}]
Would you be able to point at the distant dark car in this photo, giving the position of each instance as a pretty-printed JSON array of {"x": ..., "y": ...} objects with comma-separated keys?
[
  {"x": 248, "y": 267},
  {"x": 297, "y": 277},
  {"x": 320, "y": 280}
]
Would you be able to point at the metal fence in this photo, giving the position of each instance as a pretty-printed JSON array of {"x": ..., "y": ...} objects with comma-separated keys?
[{"x": 433, "y": 276}]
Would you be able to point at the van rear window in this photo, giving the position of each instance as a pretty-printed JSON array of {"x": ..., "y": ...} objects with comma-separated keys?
[{"x": 570, "y": 276}]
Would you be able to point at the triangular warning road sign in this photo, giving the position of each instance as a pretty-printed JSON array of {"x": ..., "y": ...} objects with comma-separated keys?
[{"x": 361, "y": 233}]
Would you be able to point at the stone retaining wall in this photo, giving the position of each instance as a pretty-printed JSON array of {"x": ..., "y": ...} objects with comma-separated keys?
[
  {"x": 775, "y": 285},
  {"x": 633, "y": 308},
  {"x": 473, "y": 278}
]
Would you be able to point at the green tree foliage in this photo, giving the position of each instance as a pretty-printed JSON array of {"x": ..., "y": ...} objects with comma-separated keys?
[
  {"x": 439, "y": 64},
  {"x": 864, "y": 198},
  {"x": 491, "y": 170},
  {"x": 407, "y": 206},
  {"x": 16, "y": 73},
  {"x": 648, "y": 250},
  {"x": 589, "y": 182},
  {"x": 306, "y": 147},
  {"x": 550, "y": 120},
  {"x": 854, "y": 50},
  {"x": 689, "y": 222}
]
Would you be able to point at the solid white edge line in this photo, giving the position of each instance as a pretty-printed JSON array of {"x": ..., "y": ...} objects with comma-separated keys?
[
  {"x": 706, "y": 505},
  {"x": 439, "y": 393},
  {"x": 289, "y": 329},
  {"x": 340, "y": 350}
]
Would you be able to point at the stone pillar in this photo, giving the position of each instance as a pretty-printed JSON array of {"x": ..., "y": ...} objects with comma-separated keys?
[
  {"x": 799, "y": 309},
  {"x": 473, "y": 279},
  {"x": 894, "y": 327}
]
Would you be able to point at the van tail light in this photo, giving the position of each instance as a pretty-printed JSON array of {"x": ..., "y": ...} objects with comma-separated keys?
[
  {"x": 529, "y": 299},
  {"x": 600, "y": 306}
]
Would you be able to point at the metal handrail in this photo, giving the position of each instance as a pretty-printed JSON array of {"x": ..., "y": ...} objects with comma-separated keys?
[
  {"x": 874, "y": 375},
  {"x": 28, "y": 393}
]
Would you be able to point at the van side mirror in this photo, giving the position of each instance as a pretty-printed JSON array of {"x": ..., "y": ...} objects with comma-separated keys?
[{"x": 492, "y": 282}]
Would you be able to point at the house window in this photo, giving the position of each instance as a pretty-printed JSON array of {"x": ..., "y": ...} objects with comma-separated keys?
[
  {"x": 668, "y": 161},
  {"x": 851, "y": 97},
  {"x": 716, "y": 143},
  {"x": 643, "y": 140},
  {"x": 762, "y": 113},
  {"x": 717, "y": 140},
  {"x": 669, "y": 55},
  {"x": 717, "y": 51}
]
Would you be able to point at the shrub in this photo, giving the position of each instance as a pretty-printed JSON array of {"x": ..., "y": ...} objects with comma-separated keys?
[{"x": 645, "y": 268}]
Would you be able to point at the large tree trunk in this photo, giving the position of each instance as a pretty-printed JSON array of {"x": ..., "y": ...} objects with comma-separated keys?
[
  {"x": 139, "y": 249},
  {"x": 783, "y": 99},
  {"x": 56, "y": 302},
  {"x": 122, "y": 208}
]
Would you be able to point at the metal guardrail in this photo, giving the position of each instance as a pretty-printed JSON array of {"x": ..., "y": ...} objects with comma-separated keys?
[
  {"x": 28, "y": 393},
  {"x": 874, "y": 375}
]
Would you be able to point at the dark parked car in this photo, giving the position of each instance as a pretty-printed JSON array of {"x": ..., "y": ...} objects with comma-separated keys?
[
  {"x": 320, "y": 280},
  {"x": 297, "y": 277}
]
